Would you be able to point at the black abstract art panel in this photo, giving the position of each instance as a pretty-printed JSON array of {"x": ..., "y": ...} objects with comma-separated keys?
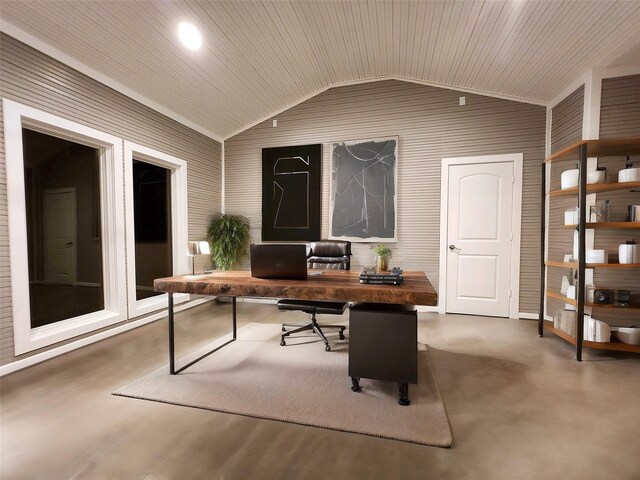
[
  {"x": 363, "y": 190},
  {"x": 291, "y": 179}
]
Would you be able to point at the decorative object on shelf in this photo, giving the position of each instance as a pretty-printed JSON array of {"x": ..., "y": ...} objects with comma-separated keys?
[
  {"x": 597, "y": 256},
  {"x": 629, "y": 174},
  {"x": 595, "y": 330},
  {"x": 363, "y": 190},
  {"x": 599, "y": 175},
  {"x": 622, "y": 298},
  {"x": 565, "y": 320},
  {"x": 629, "y": 252},
  {"x": 197, "y": 248},
  {"x": 569, "y": 178},
  {"x": 633, "y": 213},
  {"x": 601, "y": 212},
  {"x": 591, "y": 290},
  {"x": 229, "y": 240},
  {"x": 382, "y": 254},
  {"x": 602, "y": 296},
  {"x": 630, "y": 335},
  {"x": 571, "y": 216},
  {"x": 291, "y": 188}
]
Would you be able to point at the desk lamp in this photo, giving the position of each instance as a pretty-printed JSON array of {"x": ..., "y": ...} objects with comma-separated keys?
[{"x": 197, "y": 248}]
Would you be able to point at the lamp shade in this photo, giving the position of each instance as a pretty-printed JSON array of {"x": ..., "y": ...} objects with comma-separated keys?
[{"x": 198, "y": 248}]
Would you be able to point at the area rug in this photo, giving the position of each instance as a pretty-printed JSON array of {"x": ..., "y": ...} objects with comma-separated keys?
[{"x": 300, "y": 383}]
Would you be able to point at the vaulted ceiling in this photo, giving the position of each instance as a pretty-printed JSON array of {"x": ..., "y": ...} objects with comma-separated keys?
[{"x": 260, "y": 57}]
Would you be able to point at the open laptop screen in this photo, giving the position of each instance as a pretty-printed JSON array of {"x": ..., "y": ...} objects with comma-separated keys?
[{"x": 279, "y": 261}]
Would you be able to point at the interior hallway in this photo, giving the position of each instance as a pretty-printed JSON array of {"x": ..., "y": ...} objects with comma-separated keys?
[{"x": 520, "y": 407}]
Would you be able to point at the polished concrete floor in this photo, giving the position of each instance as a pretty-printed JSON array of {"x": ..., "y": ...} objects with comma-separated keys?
[{"x": 520, "y": 407}]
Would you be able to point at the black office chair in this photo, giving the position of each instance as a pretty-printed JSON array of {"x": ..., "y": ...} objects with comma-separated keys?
[{"x": 322, "y": 254}]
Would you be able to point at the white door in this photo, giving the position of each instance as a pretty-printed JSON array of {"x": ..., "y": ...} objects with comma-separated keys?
[
  {"x": 479, "y": 234},
  {"x": 60, "y": 235}
]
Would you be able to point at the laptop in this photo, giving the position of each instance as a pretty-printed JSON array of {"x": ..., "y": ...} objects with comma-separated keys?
[{"x": 279, "y": 261}]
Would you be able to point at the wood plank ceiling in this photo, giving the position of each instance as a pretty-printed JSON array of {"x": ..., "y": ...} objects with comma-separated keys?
[{"x": 261, "y": 57}]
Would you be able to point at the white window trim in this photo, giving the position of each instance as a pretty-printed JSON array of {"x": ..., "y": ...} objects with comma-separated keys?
[
  {"x": 516, "y": 223},
  {"x": 179, "y": 224},
  {"x": 26, "y": 338}
]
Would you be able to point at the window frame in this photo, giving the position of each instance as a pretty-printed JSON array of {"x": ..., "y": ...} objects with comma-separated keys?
[
  {"x": 16, "y": 117},
  {"x": 179, "y": 224}
]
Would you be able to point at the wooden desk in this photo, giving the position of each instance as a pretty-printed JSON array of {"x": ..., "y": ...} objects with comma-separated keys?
[{"x": 336, "y": 285}]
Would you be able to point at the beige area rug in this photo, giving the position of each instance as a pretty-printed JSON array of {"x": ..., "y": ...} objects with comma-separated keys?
[{"x": 303, "y": 384}]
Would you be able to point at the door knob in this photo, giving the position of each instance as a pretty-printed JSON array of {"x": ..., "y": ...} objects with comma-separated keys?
[
  {"x": 68, "y": 244},
  {"x": 453, "y": 247}
]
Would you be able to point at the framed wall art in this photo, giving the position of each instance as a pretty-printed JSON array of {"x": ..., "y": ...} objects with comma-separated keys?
[
  {"x": 291, "y": 183},
  {"x": 363, "y": 190}
]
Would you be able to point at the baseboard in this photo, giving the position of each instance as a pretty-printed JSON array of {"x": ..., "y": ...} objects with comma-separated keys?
[
  {"x": 528, "y": 316},
  {"x": 54, "y": 352}
]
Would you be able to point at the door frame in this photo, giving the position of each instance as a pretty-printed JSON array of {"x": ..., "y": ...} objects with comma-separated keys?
[
  {"x": 516, "y": 223},
  {"x": 45, "y": 199}
]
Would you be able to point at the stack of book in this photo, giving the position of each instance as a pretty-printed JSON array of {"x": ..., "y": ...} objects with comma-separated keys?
[{"x": 391, "y": 277}]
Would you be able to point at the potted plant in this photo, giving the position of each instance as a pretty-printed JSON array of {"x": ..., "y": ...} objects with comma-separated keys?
[
  {"x": 382, "y": 255},
  {"x": 229, "y": 240}
]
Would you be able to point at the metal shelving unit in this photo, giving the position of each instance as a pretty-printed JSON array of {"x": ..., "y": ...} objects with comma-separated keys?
[{"x": 580, "y": 151}]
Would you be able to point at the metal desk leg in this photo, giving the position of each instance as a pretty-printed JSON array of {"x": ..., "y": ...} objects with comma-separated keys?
[
  {"x": 404, "y": 394},
  {"x": 233, "y": 316},
  {"x": 172, "y": 352},
  {"x": 172, "y": 366}
]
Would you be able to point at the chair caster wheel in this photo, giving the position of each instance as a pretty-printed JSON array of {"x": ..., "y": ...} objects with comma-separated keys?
[
  {"x": 341, "y": 336},
  {"x": 284, "y": 329},
  {"x": 282, "y": 344},
  {"x": 327, "y": 348}
]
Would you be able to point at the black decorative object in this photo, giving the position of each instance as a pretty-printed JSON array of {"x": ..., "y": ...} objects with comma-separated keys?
[
  {"x": 603, "y": 297},
  {"x": 291, "y": 179},
  {"x": 363, "y": 190}
]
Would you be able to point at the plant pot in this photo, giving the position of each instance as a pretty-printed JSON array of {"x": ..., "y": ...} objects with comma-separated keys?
[{"x": 383, "y": 263}]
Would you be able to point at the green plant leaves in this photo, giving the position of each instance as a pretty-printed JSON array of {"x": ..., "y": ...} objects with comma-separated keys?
[{"x": 229, "y": 240}]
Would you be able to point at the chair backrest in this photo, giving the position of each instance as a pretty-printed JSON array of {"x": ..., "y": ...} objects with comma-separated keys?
[{"x": 334, "y": 254}]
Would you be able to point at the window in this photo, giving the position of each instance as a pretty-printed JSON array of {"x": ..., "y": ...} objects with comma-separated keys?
[
  {"x": 66, "y": 228},
  {"x": 156, "y": 186}
]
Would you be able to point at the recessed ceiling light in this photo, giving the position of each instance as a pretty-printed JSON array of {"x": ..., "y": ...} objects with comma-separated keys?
[{"x": 189, "y": 35}]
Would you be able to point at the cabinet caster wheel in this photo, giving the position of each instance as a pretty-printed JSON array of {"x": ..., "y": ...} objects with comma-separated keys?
[
  {"x": 327, "y": 348},
  {"x": 355, "y": 384},
  {"x": 282, "y": 344}
]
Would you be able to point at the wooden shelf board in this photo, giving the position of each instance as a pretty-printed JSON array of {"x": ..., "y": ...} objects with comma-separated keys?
[
  {"x": 571, "y": 301},
  {"x": 553, "y": 263},
  {"x": 611, "y": 225},
  {"x": 616, "y": 344},
  {"x": 613, "y": 147},
  {"x": 597, "y": 188},
  {"x": 559, "y": 296}
]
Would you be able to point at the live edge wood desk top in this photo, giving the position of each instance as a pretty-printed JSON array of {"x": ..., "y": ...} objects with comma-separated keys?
[{"x": 336, "y": 285}]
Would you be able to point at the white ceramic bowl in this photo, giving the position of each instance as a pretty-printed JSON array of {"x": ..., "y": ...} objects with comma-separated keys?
[
  {"x": 629, "y": 335},
  {"x": 629, "y": 175}
]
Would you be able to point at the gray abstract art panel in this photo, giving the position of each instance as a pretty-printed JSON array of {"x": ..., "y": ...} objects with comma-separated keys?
[{"x": 363, "y": 190}]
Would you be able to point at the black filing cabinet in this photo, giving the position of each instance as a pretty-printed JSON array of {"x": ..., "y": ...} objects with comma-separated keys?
[{"x": 383, "y": 345}]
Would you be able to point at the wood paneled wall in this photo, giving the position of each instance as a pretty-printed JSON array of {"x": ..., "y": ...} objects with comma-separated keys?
[
  {"x": 431, "y": 125},
  {"x": 32, "y": 78}
]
